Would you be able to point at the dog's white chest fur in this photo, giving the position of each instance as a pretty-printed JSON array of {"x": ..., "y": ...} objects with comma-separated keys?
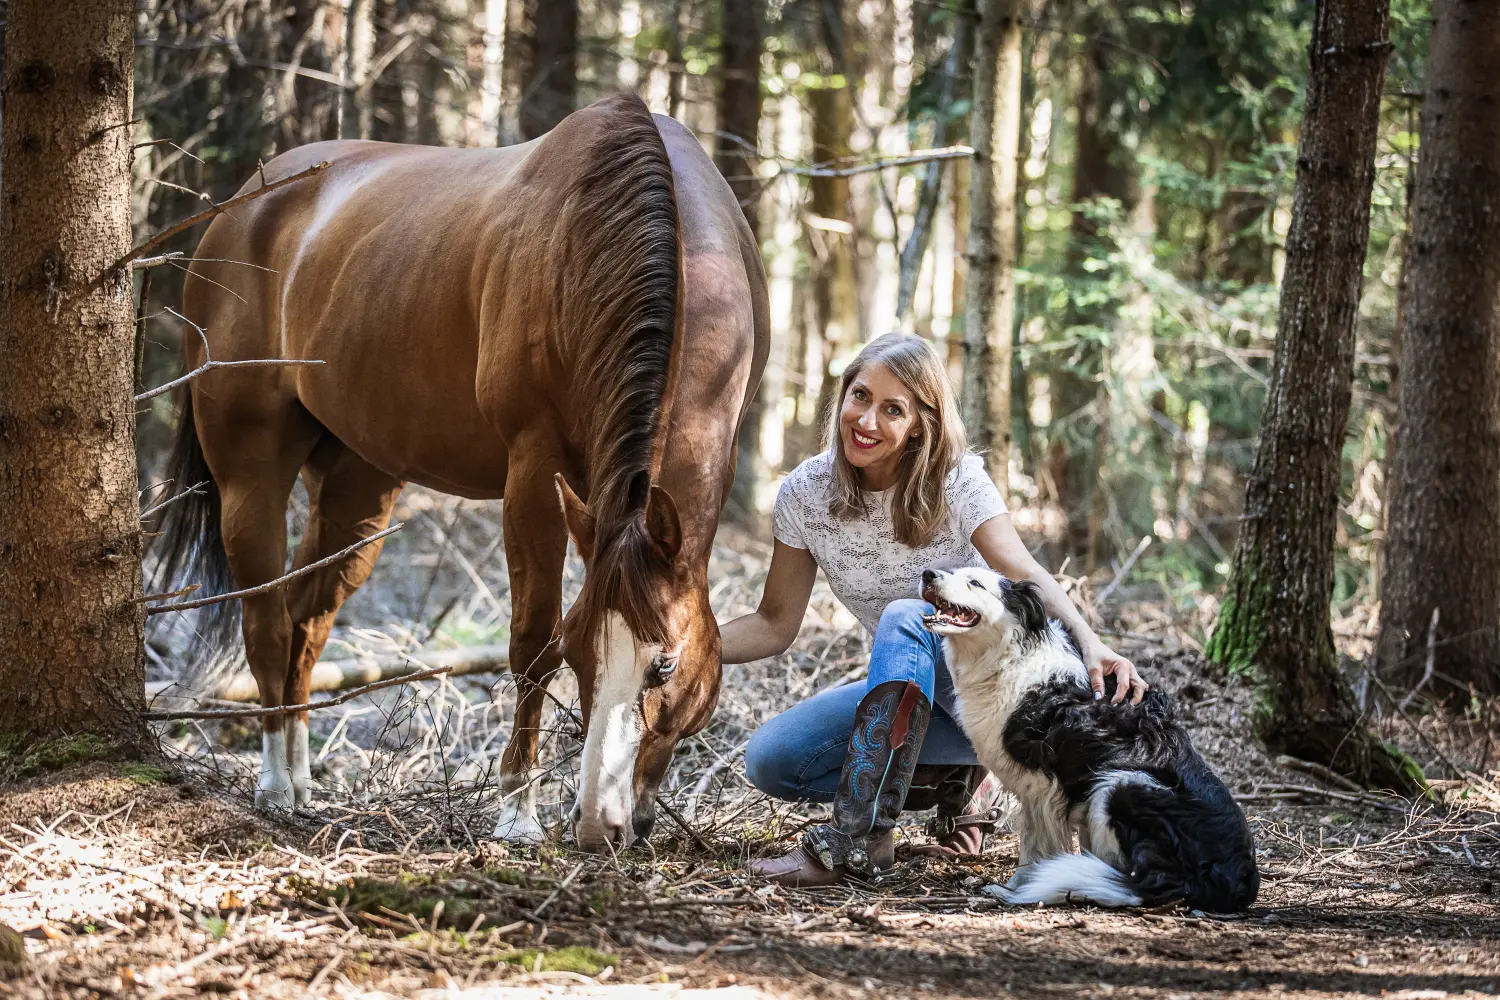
[{"x": 990, "y": 680}]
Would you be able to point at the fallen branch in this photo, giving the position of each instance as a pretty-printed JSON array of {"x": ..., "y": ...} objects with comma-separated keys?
[
  {"x": 162, "y": 237},
  {"x": 272, "y": 585},
  {"x": 1140, "y": 547},
  {"x": 262, "y": 713},
  {"x": 1320, "y": 772},
  {"x": 341, "y": 675}
]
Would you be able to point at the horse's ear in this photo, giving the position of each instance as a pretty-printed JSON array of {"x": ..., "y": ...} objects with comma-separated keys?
[
  {"x": 579, "y": 518},
  {"x": 662, "y": 523}
]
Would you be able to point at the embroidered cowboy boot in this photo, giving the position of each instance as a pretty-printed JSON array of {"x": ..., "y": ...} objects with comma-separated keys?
[{"x": 889, "y": 726}]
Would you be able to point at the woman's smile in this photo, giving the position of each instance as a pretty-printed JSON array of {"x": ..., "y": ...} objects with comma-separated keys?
[{"x": 877, "y": 422}]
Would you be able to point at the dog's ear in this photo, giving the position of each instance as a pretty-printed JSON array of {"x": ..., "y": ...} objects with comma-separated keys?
[{"x": 1024, "y": 601}]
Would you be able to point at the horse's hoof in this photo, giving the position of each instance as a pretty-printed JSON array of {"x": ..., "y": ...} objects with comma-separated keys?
[
  {"x": 518, "y": 828},
  {"x": 274, "y": 799}
]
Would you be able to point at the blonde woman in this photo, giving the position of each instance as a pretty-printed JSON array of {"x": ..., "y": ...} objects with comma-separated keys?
[{"x": 896, "y": 492}]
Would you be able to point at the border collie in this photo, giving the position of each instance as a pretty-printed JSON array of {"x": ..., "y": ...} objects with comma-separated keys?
[{"x": 1155, "y": 823}]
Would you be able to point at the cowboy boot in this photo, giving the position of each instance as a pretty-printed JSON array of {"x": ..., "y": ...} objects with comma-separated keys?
[
  {"x": 889, "y": 726},
  {"x": 967, "y": 798}
]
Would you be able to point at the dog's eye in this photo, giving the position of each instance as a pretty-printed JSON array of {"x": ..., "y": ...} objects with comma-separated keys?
[{"x": 976, "y": 584}]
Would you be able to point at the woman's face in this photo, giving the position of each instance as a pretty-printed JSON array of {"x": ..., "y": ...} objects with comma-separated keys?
[{"x": 878, "y": 419}]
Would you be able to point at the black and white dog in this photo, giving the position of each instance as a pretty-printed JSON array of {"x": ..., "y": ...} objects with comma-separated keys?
[{"x": 1155, "y": 823}]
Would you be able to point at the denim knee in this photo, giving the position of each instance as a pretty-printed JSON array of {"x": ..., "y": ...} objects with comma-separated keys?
[{"x": 905, "y": 617}]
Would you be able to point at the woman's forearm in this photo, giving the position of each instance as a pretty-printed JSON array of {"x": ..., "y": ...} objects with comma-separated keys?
[{"x": 751, "y": 637}]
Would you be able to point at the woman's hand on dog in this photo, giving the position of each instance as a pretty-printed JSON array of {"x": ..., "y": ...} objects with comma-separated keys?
[{"x": 1102, "y": 660}]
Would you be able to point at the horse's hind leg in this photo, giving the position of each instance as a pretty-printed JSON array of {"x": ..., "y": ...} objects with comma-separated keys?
[
  {"x": 536, "y": 543},
  {"x": 351, "y": 500},
  {"x": 255, "y": 462}
]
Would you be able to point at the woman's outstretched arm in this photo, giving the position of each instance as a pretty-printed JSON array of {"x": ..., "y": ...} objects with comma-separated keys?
[
  {"x": 1002, "y": 548},
  {"x": 772, "y": 627}
]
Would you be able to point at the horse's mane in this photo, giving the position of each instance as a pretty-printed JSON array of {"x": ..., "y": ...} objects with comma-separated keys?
[{"x": 624, "y": 308}]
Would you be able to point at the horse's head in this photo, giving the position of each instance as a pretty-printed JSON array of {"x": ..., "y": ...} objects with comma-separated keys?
[{"x": 643, "y": 641}]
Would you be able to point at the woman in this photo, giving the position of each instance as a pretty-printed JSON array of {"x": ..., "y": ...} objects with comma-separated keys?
[{"x": 896, "y": 492}]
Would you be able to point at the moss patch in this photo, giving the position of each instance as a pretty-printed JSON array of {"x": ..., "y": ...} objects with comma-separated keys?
[
  {"x": 409, "y": 894},
  {"x": 26, "y": 759},
  {"x": 143, "y": 774}
]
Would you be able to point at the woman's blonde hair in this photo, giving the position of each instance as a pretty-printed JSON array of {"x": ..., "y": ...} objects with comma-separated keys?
[{"x": 919, "y": 500}]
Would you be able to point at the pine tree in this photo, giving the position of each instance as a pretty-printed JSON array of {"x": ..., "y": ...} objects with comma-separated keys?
[
  {"x": 71, "y": 627},
  {"x": 1275, "y": 625}
]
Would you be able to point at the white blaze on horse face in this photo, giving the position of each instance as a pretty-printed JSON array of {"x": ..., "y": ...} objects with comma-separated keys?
[
  {"x": 274, "y": 790},
  {"x": 606, "y": 791}
]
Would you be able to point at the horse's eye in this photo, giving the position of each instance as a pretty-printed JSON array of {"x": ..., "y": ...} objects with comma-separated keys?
[{"x": 662, "y": 669}]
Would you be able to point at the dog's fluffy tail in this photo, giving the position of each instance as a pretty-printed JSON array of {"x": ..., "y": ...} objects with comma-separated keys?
[{"x": 1072, "y": 878}]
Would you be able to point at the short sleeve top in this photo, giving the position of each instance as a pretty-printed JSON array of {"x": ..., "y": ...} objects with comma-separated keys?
[{"x": 866, "y": 567}]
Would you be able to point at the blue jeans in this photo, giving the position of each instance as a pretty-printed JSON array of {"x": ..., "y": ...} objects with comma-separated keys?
[{"x": 799, "y": 754}]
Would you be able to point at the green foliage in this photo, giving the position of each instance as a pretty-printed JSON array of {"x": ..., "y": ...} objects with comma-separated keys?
[{"x": 575, "y": 958}]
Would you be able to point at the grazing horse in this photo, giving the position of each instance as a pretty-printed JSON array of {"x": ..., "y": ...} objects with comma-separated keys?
[{"x": 576, "y": 324}]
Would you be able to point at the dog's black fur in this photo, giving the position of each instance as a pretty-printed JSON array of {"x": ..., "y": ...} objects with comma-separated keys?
[{"x": 1182, "y": 837}]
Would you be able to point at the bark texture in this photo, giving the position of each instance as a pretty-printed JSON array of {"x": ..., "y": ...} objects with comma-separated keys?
[
  {"x": 835, "y": 278},
  {"x": 1275, "y": 623},
  {"x": 71, "y": 629},
  {"x": 539, "y": 67},
  {"x": 1101, "y": 170},
  {"x": 739, "y": 102},
  {"x": 1443, "y": 542},
  {"x": 734, "y": 154},
  {"x": 995, "y": 132},
  {"x": 960, "y": 53}
]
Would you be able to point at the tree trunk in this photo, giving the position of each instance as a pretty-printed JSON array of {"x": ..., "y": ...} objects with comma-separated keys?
[
  {"x": 71, "y": 632},
  {"x": 915, "y": 251},
  {"x": 1275, "y": 623},
  {"x": 357, "y": 120},
  {"x": 515, "y": 68},
  {"x": 835, "y": 280},
  {"x": 995, "y": 131},
  {"x": 674, "y": 61},
  {"x": 1076, "y": 442},
  {"x": 1443, "y": 548},
  {"x": 738, "y": 115},
  {"x": 739, "y": 102},
  {"x": 551, "y": 89}
]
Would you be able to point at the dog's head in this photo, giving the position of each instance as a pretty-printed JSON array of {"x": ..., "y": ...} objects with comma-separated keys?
[{"x": 983, "y": 604}]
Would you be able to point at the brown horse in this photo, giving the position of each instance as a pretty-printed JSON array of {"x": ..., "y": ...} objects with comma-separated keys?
[{"x": 576, "y": 324}]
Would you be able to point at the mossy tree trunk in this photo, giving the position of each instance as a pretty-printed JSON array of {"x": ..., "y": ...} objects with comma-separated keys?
[
  {"x": 1275, "y": 623},
  {"x": 1443, "y": 542},
  {"x": 71, "y": 623}
]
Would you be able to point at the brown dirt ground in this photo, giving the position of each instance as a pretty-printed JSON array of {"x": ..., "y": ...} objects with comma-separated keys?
[{"x": 130, "y": 883}]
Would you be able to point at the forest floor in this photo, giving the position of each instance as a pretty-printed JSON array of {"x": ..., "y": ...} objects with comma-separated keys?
[{"x": 160, "y": 880}]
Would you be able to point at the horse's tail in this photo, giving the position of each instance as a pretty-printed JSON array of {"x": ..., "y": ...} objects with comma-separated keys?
[
  {"x": 624, "y": 302},
  {"x": 192, "y": 536}
]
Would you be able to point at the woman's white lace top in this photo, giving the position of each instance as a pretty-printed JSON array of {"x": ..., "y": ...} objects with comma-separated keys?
[{"x": 865, "y": 565}]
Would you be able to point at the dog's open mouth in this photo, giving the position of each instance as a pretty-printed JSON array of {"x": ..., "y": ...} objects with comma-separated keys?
[{"x": 947, "y": 613}]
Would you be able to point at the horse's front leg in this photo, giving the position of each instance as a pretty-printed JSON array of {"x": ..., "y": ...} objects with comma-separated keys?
[{"x": 535, "y": 547}]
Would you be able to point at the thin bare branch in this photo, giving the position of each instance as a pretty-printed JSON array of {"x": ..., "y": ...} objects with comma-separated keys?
[
  {"x": 212, "y": 365},
  {"x": 144, "y": 262},
  {"x": 262, "y": 713},
  {"x": 272, "y": 585},
  {"x": 151, "y": 244},
  {"x": 917, "y": 156}
]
